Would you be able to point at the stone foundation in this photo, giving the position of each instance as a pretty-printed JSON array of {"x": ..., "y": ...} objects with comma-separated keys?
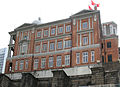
[{"x": 100, "y": 76}]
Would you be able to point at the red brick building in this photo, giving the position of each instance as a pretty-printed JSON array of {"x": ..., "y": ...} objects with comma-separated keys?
[{"x": 78, "y": 41}]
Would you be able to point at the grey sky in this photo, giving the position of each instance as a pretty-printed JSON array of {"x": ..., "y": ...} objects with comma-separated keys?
[{"x": 14, "y": 13}]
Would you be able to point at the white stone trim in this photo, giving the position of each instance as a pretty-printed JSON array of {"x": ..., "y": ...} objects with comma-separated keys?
[
  {"x": 48, "y": 46},
  {"x": 80, "y": 40},
  {"x": 56, "y": 29},
  {"x": 89, "y": 38},
  {"x": 55, "y": 44}
]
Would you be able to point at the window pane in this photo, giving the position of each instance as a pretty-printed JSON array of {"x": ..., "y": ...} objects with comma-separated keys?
[
  {"x": 77, "y": 58},
  {"x": 58, "y": 61},
  {"x": 16, "y": 65},
  {"x": 60, "y": 30},
  {"x": 67, "y": 60},
  {"x": 85, "y": 57},
  {"x": 50, "y": 61},
  {"x": 21, "y": 64},
  {"x": 85, "y": 40},
  {"x": 44, "y": 47},
  {"x": 68, "y": 28},
  {"x": 110, "y": 58},
  {"x": 53, "y": 31},
  {"x": 92, "y": 56},
  {"x": 37, "y": 48},
  {"x": 51, "y": 46},
  {"x": 45, "y": 32},
  {"x": 36, "y": 63},
  {"x": 26, "y": 64},
  {"x": 84, "y": 25},
  {"x": 39, "y": 34},
  {"x": 108, "y": 44},
  {"x": 60, "y": 45},
  {"x": 43, "y": 61},
  {"x": 68, "y": 43}
]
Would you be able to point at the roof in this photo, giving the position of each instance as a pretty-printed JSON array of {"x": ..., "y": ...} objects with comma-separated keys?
[{"x": 84, "y": 12}]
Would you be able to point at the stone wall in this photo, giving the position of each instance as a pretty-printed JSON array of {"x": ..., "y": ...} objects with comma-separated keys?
[{"x": 100, "y": 76}]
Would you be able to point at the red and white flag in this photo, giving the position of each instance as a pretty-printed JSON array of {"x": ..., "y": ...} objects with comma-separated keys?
[{"x": 89, "y": 7}]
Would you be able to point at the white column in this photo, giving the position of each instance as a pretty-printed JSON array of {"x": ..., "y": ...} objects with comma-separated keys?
[
  {"x": 89, "y": 38},
  {"x": 89, "y": 22},
  {"x": 80, "y": 40}
]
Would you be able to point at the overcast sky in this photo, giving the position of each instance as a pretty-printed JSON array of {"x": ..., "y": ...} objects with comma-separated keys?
[{"x": 14, "y": 13}]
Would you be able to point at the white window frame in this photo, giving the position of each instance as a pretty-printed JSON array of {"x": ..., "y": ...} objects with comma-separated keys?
[
  {"x": 21, "y": 64},
  {"x": 39, "y": 34},
  {"x": 60, "y": 30},
  {"x": 16, "y": 65},
  {"x": 59, "y": 61},
  {"x": 85, "y": 25},
  {"x": 92, "y": 56},
  {"x": 52, "y": 31},
  {"x": 68, "y": 28},
  {"x": 24, "y": 48},
  {"x": 68, "y": 43},
  {"x": 77, "y": 58},
  {"x": 44, "y": 47},
  {"x": 45, "y": 32},
  {"x": 60, "y": 44},
  {"x": 50, "y": 61},
  {"x": 26, "y": 64},
  {"x": 52, "y": 46},
  {"x": 43, "y": 62},
  {"x": 67, "y": 60},
  {"x": 85, "y": 40},
  {"x": 85, "y": 57},
  {"x": 36, "y": 61},
  {"x": 37, "y": 48}
]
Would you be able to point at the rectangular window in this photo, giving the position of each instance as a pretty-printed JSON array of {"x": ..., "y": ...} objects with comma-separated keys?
[
  {"x": 102, "y": 59},
  {"x": 92, "y": 56},
  {"x": 60, "y": 30},
  {"x": 44, "y": 47},
  {"x": 39, "y": 34},
  {"x": 43, "y": 61},
  {"x": 60, "y": 45},
  {"x": 85, "y": 25},
  {"x": 108, "y": 44},
  {"x": 50, "y": 61},
  {"x": 68, "y": 28},
  {"x": 51, "y": 46},
  {"x": 24, "y": 48},
  {"x": 77, "y": 58},
  {"x": 67, "y": 59},
  {"x": 21, "y": 64},
  {"x": 110, "y": 58},
  {"x": 85, "y": 57},
  {"x": 68, "y": 43},
  {"x": 85, "y": 40},
  {"x": 45, "y": 32},
  {"x": 26, "y": 64},
  {"x": 52, "y": 31},
  {"x": 25, "y": 37},
  {"x": 36, "y": 61},
  {"x": 16, "y": 65},
  {"x": 58, "y": 61},
  {"x": 37, "y": 48}
]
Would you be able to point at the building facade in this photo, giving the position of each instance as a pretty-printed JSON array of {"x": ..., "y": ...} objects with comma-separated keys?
[
  {"x": 72, "y": 44},
  {"x": 3, "y": 56}
]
